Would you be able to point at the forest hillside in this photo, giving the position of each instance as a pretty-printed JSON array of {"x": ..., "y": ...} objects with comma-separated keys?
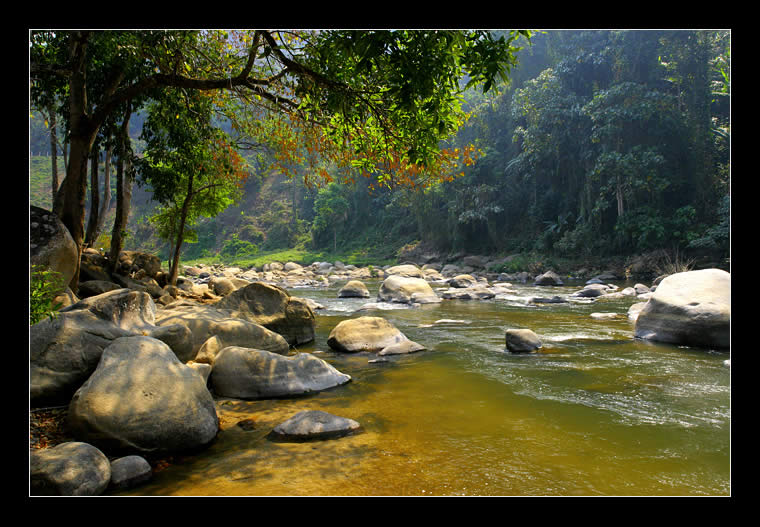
[{"x": 603, "y": 144}]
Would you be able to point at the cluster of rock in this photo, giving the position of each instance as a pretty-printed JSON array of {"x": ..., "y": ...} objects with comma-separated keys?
[
  {"x": 138, "y": 361},
  {"x": 80, "y": 469},
  {"x": 140, "y": 380}
]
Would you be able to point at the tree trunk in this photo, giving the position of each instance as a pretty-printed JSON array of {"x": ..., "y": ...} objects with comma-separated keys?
[
  {"x": 75, "y": 189},
  {"x": 106, "y": 203},
  {"x": 53, "y": 154},
  {"x": 295, "y": 201},
  {"x": 619, "y": 196},
  {"x": 180, "y": 232},
  {"x": 99, "y": 207},
  {"x": 92, "y": 222},
  {"x": 83, "y": 132},
  {"x": 123, "y": 196}
]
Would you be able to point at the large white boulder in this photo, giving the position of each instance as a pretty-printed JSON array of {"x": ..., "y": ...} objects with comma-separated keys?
[
  {"x": 691, "y": 308},
  {"x": 373, "y": 334},
  {"x": 406, "y": 291}
]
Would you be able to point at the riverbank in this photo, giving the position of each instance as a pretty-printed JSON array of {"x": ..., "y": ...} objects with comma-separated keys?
[
  {"x": 473, "y": 404},
  {"x": 645, "y": 266}
]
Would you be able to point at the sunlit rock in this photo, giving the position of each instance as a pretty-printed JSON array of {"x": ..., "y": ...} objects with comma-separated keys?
[
  {"x": 244, "y": 373},
  {"x": 474, "y": 292},
  {"x": 463, "y": 280},
  {"x": 401, "y": 348},
  {"x": 522, "y": 341},
  {"x": 354, "y": 289},
  {"x": 64, "y": 351},
  {"x": 405, "y": 270},
  {"x": 141, "y": 398},
  {"x": 691, "y": 308},
  {"x": 273, "y": 308},
  {"x": 592, "y": 291},
  {"x": 364, "y": 334},
  {"x": 406, "y": 290}
]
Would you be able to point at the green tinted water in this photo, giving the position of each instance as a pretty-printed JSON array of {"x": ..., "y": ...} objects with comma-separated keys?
[{"x": 595, "y": 412}]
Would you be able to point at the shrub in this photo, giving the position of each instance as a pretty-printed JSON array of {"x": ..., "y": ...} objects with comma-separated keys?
[
  {"x": 235, "y": 248},
  {"x": 43, "y": 288}
]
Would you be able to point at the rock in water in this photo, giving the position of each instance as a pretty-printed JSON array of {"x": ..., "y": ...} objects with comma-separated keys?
[
  {"x": 522, "y": 341},
  {"x": 405, "y": 270},
  {"x": 313, "y": 425},
  {"x": 141, "y": 398},
  {"x": 245, "y": 373},
  {"x": 401, "y": 348},
  {"x": 354, "y": 289},
  {"x": 406, "y": 291},
  {"x": 463, "y": 280},
  {"x": 548, "y": 278},
  {"x": 691, "y": 308},
  {"x": 365, "y": 334}
]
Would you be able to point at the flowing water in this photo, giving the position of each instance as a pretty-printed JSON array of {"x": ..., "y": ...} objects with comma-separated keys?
[{"x": 594, "y": 412}]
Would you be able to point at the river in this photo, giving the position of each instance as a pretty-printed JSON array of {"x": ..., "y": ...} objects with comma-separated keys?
[{"x": 594, "y": 413}]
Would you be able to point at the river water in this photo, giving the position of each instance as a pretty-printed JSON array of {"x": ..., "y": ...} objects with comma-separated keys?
[{"x": 594, "y": 412}]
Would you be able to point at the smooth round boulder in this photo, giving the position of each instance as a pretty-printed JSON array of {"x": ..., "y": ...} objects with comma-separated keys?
[
  {"x": 177, "y": 336},
  {"x": 221, "y": 285},
  {"x": 692, "y": 308},
  {"x": 244, "y": 373},
  {"x": 129, "y": 471},
  {"x": 401, "y": 348},
  {"x": 126, "y": 308},
  {"x": 142, "y": 399},
  {"x": 69, "y": 469},
  {"x": 405, "y": 270},
  {"x": 406, "y": 291},
  {"x": 354, "y": 289},
  {"x": 364, "y": 334},
  {"x": 522, "y": 341},
  {"x": 311, "y": 425},
  {"x": 205, "y": 322},
  {"x": 273, "y": 308},
  {"x": 63, "y": 353},
  {"x": 51, "y": 246}
]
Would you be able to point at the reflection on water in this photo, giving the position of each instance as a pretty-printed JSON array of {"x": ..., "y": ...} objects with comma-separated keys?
[{"x": 595, "y": 412}]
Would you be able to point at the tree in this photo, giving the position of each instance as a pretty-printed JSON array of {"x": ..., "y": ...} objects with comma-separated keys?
[
  {"x": 330, "y": 208},
  {"x": 189, "y": 165},
  {"x": 373, "y": 94}
]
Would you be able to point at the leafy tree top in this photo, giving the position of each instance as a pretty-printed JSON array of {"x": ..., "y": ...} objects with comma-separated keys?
[{"x": 368, "y": 97}]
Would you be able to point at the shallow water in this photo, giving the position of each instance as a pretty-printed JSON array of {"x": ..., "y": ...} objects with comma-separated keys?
[{"x": 595, "y": 412}]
